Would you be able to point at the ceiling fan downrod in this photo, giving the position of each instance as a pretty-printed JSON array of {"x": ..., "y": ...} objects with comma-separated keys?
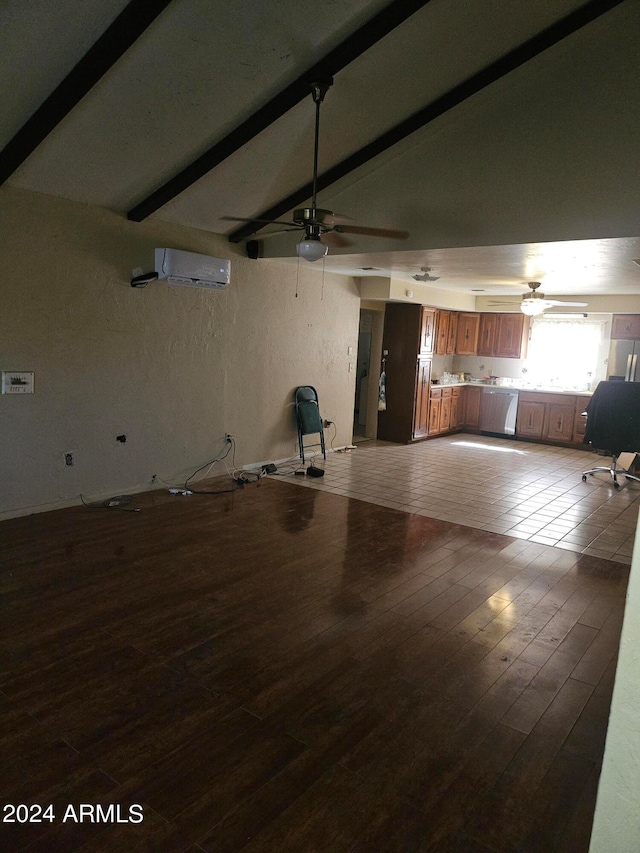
[{"x": 318, "y": 90}]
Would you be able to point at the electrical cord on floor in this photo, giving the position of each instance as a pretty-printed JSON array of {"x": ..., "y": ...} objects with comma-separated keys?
[
  {"x": 120, "y": 502},
  {"x": 230, "y": 445},
  {"x": 335, "y": 432},
  {"x": 231, "y": 448},
  {"x": 291, "y": 469}
]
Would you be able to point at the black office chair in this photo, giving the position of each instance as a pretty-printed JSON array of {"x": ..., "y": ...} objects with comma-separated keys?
[
  {"x": 613, "y": 425},
  {"x": 308, "y": 418}
]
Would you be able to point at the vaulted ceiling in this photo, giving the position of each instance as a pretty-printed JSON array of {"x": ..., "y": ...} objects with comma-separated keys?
[{"x": 501, "y": 124}]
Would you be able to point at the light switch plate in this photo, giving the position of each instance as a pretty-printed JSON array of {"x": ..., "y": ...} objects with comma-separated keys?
[{"x": 17, "y": 382}]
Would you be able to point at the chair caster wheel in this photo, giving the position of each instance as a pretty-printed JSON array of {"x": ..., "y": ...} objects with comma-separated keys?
[
  {"x": 584, "y": 478},
  {"x": 616, "y": 485}
]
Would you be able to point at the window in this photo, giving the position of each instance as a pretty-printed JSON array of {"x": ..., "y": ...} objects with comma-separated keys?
[{"x": 564, "y": 352}]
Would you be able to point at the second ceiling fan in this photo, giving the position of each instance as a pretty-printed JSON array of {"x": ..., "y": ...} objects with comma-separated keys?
[
  {"x": 533, "y": 304},
  {"x": 319, "y": 226}
]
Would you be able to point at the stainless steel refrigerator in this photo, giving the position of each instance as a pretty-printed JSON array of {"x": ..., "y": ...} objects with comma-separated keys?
[{"x": 623, "y": 361}]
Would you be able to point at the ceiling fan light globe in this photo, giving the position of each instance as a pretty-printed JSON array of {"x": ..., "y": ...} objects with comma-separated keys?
[
  {"x": 312, "y": 249},
  {"x": 532, "y": 307}
]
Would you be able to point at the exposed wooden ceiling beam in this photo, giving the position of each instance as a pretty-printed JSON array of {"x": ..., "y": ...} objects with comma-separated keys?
[
  {"x": 116, "y": 39},
  {"x": 352, "y": 47},
  {"x": 471, "y": 86}
]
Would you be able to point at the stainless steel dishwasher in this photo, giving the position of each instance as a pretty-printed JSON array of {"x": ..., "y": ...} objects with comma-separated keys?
[{"x": 498, "y": 409}]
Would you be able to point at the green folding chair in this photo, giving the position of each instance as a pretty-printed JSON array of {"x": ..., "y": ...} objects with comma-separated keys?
[{"x": 308, "y": 418}]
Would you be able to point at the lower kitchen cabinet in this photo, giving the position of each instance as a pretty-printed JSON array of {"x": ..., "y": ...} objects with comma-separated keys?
[
  {"x": 472, "y": 399},
  {"x": 579, "y": 420},
  {"x": 530, "y": 419},
  {"x": 554, "y": 417},
  {"x": 454, "y": 418},
  {"x": 435, "y": 405},
  {"x": 559, "y": 419},
  {"x": 445, "y": 414}
]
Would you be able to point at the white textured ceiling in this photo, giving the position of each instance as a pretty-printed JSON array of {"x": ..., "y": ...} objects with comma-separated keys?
[{"x": 538, "y": 171}]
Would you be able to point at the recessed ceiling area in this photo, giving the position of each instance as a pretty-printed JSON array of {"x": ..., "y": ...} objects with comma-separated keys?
[{"x": 569, "y": 267}]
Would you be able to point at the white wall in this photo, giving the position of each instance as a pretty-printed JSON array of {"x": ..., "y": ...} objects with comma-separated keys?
[
  {"x": 616, "y": 827},
  {"x": 173, "y": 368}
]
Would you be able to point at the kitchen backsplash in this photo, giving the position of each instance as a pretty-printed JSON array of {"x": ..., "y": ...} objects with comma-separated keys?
[{"x": 481, "y": 366}]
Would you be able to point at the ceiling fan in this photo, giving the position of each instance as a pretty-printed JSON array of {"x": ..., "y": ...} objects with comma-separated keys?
[
  {"x": 314, "y": 222},
  {"x": 426, "y": 275},
  {"x": 533, "y": 304}
]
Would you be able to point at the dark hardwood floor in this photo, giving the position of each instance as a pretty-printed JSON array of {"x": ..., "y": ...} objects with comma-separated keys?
[{"x": 281, "y": 669}]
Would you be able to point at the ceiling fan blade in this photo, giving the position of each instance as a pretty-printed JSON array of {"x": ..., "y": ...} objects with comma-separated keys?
[
  {"x": 280, "y": 231},
  {"x": 371, "y": 232},
  {"x": 336, "y": 218},
  {"x": 333, "y": 238},
  {"x": 292, "y": 225},
  {"x": 555, "y": 302}
]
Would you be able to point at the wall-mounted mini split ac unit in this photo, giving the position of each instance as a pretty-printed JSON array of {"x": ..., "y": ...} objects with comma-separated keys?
[
  {"x": 191, "y": 269},
  {"x": 187, "y": 268}
]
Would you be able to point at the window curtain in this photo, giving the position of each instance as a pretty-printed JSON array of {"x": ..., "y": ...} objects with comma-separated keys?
[{"x": 564, "y": 352}]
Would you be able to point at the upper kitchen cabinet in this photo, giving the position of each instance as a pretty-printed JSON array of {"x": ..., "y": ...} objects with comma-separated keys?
[
  {"x": 511, "y": 336},
  {"x": 487, "y": 336},
  {"x": 503, "y": 335},
  {"x": 625, "y": 327},
  {"x": 442, "y": 332},
  {"x": 446, "y": 332},
  {"x": 468, "y": 330},
  {"x": 452, "y": 337},
  {"x": 427, "y": 331}
]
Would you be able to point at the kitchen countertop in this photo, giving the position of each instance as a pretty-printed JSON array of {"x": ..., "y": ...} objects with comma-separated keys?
[{"x": 527, "y": 388}]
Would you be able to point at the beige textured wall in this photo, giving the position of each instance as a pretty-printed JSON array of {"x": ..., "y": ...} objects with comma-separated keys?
[
  {"x": 616, "y": 827},
  {"x": 173, "y": 368}
]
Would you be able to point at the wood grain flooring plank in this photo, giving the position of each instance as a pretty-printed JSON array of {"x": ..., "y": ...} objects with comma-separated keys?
[
  {"x": 475, "y": 771},
  {"x": 420, "y": 682},
  {"x": 525, "y": 713},
  {"x": 269, "y": 802},
  {"x": 596, "y": 659}
]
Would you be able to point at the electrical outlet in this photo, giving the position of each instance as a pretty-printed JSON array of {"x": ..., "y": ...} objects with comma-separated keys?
[
  {"x": 154, "y": 477},
  {"x": 68, "y": 459},
  {"x": 228, "y": 437}
]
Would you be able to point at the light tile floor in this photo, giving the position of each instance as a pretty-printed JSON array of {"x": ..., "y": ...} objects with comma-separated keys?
[{"x": 530, "y": 491}]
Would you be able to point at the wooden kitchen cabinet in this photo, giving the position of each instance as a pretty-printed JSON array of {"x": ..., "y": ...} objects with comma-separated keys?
[
  {"x": 503, "y": 335},
  {"x": 442, "y": 332},
  {"x": 471, "y": 402},
  {"x": 446, "y": 332},
  {"x": 452, "y": 337},
  {"x": 467, "y": 336},
  {"x": 445, "y": 414},
  {"x": 625, "y": 327},
  {"x": 454, "y": 418},
  {"x": 487, "y": 334},
  {"x": 435, "y": 405},
  {"x": 530, "y": 419},
  {"x": 550, "y": 417},
  {"x": 559, "y": 421},
  {"x": 579, "y": 420},
  {"x": 421, "y": 408},
  {"x": 511, "y": 336},
  {"x": 427, "y": 330}
]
